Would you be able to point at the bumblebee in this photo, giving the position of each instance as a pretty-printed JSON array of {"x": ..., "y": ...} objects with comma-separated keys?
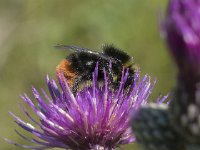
[{"x": 78, "y": 66}]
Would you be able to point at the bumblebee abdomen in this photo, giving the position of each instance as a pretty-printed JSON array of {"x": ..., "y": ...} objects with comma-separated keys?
[{"x": 69, "y": 73}]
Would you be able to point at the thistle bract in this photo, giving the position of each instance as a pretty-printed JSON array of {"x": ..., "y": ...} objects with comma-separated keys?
[{"x": 96, "y": 118}]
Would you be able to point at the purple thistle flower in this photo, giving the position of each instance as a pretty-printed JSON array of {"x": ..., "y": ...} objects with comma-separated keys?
[
  {"x": 96, "y": 118},
  {"x": 182, "y": 32}
]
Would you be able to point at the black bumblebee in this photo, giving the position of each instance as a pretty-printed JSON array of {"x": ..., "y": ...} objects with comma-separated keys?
[{"x": 79, "y": 65}]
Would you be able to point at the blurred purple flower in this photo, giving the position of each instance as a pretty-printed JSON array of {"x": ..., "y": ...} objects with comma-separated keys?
[
  {"x": 97, "y": 118},
  {"x": 182, "y": 32}
]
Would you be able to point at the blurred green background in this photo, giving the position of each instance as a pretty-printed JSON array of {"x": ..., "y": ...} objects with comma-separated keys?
[{"x": 29, "y": 29}]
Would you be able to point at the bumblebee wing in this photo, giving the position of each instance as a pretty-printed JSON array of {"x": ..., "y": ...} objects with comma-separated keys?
[{"x": 72, "y": 48}]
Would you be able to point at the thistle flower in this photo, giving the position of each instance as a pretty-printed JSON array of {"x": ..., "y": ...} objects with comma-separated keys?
[
  {"x": 182, "y": 33},
  {"x": 95, "y": 119}
]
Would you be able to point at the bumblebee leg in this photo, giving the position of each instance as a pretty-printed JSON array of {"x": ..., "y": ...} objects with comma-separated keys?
[
  {"x": 113, "y": 78},
  {"x": 108, "y": 68},
  {"x": 76, "y": 83}
]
